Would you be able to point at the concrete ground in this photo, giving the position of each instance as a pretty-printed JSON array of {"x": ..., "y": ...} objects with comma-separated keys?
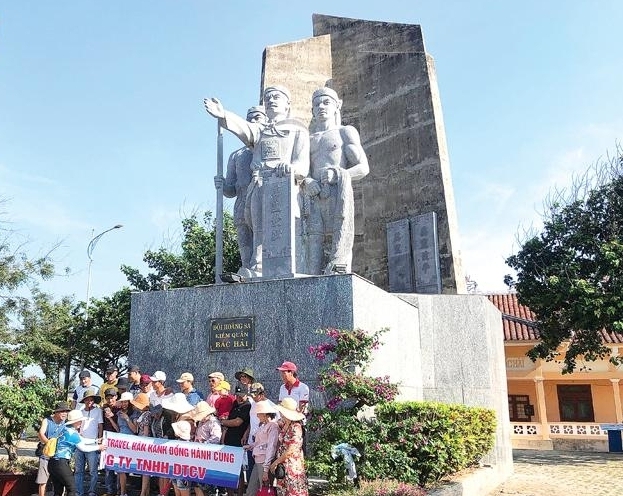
[{"x": 564, "y": 473}]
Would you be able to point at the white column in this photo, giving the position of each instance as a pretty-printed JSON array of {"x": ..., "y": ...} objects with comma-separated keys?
[
  {"x": 540, "y": 401},
  {"x": 617, "y": 400}
]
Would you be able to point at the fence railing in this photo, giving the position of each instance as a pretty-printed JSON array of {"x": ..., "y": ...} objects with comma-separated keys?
[{"x": 557, "y": 429}]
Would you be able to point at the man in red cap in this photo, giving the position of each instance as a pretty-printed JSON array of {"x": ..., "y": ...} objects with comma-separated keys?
[{"x": 292, "y": 386}]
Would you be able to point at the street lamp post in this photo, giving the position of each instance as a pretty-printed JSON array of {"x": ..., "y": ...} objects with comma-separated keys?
[{"x": 90, "y": 248}]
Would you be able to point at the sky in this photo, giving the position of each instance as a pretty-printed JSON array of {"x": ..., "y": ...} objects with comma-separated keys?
[{"x": 102, "y": 123}]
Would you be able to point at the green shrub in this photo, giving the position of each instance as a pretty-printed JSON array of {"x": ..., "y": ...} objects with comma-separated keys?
[
  {"x": 410, "y": 442},
  {"x": 413, "y": 442}
]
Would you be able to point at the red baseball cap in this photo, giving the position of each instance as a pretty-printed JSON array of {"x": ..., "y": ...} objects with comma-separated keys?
[
  {"x": 145, "y": 379},
  {"x": 287, "y": 366}
]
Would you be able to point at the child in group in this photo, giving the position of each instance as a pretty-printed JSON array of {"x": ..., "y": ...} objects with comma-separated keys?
[{"x": 225, "y": 402}]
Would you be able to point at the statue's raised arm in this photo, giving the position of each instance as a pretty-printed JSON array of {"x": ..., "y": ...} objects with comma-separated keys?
[{"x": 279, "y": 147}]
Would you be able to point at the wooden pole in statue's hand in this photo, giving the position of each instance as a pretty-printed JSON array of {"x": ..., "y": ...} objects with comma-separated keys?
[{"x": 218, "y": 269}]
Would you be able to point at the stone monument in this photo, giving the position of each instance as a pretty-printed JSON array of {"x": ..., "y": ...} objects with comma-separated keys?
[
  {"x": 389, "y": 87},
  {"x": 442, "y": 347}
]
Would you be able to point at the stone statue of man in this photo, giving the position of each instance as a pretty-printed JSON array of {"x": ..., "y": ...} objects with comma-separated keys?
[
  {"x": 337, "y": 159},
  {"x": 235, "y": 184},
  {"x": 280, "y": 147}
]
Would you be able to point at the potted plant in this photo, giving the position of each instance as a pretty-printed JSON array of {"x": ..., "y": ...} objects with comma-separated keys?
[
  {"x": 24, "y": 401},
  {"x": 18, "y": 478}
]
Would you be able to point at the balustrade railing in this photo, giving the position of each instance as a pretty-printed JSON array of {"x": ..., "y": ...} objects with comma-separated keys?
[{"x": 557, "y": 429}]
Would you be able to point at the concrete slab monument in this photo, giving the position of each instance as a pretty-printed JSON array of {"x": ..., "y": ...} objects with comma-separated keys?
[{"x": 388, "y": 83}]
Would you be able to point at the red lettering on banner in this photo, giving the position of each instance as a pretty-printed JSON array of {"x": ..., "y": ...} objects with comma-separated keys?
[
  {"x": 155, "y": 466},
  {"x": 110, "y": 460},
  {"x": 182, "y": 470},
  {"x": 201, "y": 454},
  {"x": 220, "y": 456},
  {"x": 179, "y": 451},
  {"x": 116, "y": 443},
  {"x": 125, "y": 461}
]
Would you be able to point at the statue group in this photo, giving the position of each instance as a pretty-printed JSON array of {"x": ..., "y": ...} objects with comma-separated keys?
[{"x": 323, "y": 161}]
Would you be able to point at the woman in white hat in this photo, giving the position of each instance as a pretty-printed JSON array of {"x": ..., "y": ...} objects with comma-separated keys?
[
  {"x": 290, "y": 450},
  {"x": 208, "y": 430},
  {"x": 208, "y": 427},
  {"x": 264, "y": 446},
  {"x": 182, "y": 427},
  {"x": 67, "y": 443}
]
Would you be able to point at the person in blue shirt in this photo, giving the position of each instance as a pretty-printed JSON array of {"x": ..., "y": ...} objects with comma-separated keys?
[
  {"x": 52, "y": 426},
  {"x": 185, "y": 382},
  {"x": 70, "y": 440}
]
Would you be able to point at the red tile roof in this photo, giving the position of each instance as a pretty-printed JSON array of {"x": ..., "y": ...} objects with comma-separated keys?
[{"x": 519, "y": 322}]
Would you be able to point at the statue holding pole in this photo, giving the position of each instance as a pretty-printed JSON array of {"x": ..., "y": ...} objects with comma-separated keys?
[
  {"x": 235, "y": 184},
  {"x": 280, "y": 150}
]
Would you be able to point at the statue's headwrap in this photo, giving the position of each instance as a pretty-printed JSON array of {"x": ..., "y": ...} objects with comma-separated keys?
[
  {"x": 331, "y": 93},
  {"x": 326, "y": 91},
  {"x": 256, "y": 109},
  {"x": 280, "y": 89}
]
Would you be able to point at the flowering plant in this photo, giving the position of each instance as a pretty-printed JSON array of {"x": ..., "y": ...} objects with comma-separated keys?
[{"x": 348, "y": 354}]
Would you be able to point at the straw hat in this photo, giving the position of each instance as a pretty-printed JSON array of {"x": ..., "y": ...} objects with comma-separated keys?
[
  {"x": 75, "y": 416},
  {"x": 177, "y": 403},
  {"x": 201, "y": 411},
  {"x": 287, "y": 408},
  {"x": 141, "y": 401},
  {"x": 91, "y": 393},
  {"x": 264, "y": 407},
  {"x": 182, "y": 430}
]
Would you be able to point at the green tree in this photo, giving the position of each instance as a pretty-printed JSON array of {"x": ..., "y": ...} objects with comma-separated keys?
[
  {"x": 46, "y": 330},
  {"x": 23, "y": 400},
  {"x": 17, "y": 271},
  {"x": 104, "y": 339},
  {"x": 570, "y": 273},
  {"x": 194, "y": 263}
]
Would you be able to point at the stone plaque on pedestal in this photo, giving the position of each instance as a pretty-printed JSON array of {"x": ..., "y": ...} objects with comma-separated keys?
[
  {"x": 426, "y": 253},
  {"x": 279, "y": 212},
  {"x": 399, "y": 259}
]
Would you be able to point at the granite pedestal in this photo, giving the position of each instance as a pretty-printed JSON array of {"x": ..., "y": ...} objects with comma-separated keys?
[{"x": 446, "y": 348}]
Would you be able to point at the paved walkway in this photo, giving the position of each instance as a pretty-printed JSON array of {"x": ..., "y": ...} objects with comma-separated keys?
[
  {"x": 564, "y": 473},
  {"x": 544, "y": 473}
]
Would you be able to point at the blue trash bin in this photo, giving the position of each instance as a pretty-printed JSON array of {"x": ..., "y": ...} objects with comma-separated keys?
[{"x": 614, "y": 441}]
